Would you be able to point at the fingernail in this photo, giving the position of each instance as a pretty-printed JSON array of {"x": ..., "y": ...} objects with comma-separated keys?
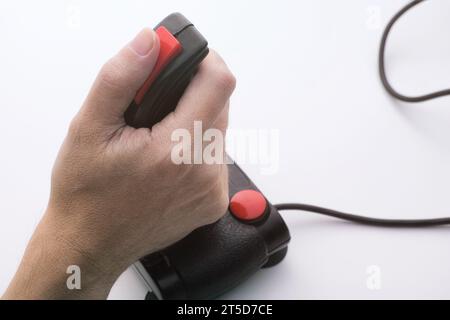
[{"x": 143, "y": 43}]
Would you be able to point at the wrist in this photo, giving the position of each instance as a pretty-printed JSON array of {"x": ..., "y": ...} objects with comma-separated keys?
[{"x": 55, "y": 266}]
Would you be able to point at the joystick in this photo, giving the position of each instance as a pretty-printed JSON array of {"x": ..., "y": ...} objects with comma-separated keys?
[{"x": 251, "y": 235}]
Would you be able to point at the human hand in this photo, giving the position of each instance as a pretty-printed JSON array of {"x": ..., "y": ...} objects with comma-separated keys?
[{"x": 116, "y": 195}]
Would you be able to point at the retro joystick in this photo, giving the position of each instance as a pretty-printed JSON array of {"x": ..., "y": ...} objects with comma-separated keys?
[{"x": 251, "y": 235}]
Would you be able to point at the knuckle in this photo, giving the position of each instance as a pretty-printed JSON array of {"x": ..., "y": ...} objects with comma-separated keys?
[{"x": 224, "y": 78}]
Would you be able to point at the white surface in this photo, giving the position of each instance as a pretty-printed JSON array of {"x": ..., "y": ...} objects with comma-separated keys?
[{"x": 306, "y": 68}]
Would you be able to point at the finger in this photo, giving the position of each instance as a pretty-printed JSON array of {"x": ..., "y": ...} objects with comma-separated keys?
[
  {"x": 221, "y": 122},
  {"x": 206, "y": 95},
  {"x": 120, "y": 78},
  {"x": 220, "y": 126}
]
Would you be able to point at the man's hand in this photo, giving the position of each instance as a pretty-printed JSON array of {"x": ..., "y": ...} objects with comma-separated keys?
[{"x": 116, "y": 195}]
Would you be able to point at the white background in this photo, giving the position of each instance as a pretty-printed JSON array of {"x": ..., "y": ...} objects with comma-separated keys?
[{"x": 306, "y": 68}]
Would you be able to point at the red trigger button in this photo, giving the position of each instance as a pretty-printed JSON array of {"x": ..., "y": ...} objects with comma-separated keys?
[
  {"x": 248, "y": 205},
  {"x": 169, "y": 49}
]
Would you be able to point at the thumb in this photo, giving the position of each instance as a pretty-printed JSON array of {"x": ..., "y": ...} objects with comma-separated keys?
[{"x": 120, "y": 78}]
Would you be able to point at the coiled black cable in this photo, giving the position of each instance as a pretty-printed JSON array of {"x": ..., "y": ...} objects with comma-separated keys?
[
  {"x": 405, "y": 223},
  {"x": 381, "y": 64}
]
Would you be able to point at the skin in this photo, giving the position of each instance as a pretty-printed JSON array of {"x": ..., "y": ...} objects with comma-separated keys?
[{"x": 116, "y": 195}]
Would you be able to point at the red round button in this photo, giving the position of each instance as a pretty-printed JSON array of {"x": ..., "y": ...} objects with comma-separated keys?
[{"x": 248, "y": 205}]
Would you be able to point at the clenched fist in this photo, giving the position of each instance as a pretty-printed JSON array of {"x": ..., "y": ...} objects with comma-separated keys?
[{"x": 116, "y": 194}]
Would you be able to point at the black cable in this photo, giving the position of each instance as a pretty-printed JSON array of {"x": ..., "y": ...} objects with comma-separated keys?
[
  {"x": 381, "y": 66},
  {"x": 407, "y": 223},
  {"x": 397, "y": 223}
]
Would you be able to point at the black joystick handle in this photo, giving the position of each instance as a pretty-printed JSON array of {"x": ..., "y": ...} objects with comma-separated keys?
[{"x": 251, "y": 235}]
